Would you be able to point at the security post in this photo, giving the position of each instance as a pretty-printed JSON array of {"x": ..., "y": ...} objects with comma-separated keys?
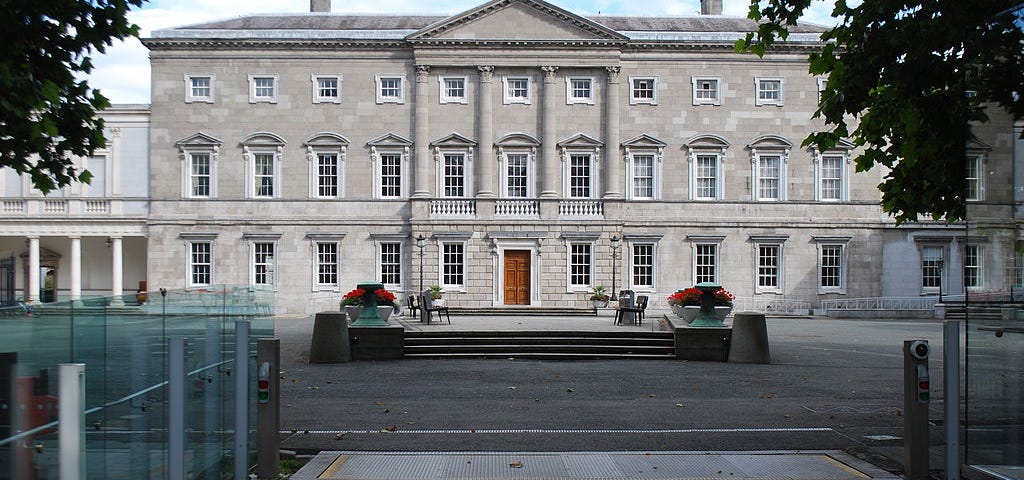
[
  {"x": 916, "y": 397},
  {"x": 268, "y": 407}
]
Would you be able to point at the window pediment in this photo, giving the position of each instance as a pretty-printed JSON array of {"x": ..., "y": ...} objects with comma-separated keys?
[
  {"x": 707, "y": 142},
  {"x": 454, "y": 140},
  {"x": 390, "y": 140},
  {"x": 644, "y": 141},
  {"x": 517, "y": 140},
  {"x": 581, "y": 140},
  {"x": 199, "y": 140},
  {"x": 776, "y": 142},
  {"x": 326, "y": 140},
  {"x": 264, "y": 139}
]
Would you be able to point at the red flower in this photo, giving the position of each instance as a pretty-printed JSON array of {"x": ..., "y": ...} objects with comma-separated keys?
[
  {"x": 355, "y": 297},
  {"x": 385, "y": 296}
]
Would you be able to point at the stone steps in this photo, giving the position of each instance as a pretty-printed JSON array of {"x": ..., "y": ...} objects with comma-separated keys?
[{"x": 566, "y": 345}]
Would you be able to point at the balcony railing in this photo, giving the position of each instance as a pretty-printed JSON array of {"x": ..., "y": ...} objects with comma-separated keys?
[
  {"x": 453, "y": 208},
  {"x": 97, "y": 206},
  {"x": 581, "y": 208},
  {"x": 517, "y": 208},
  {"x": 13, "y": 206},
  {"x": 55, "y": 206}
]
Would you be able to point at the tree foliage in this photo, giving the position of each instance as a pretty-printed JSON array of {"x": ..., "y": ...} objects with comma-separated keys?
[
  {"x": 47, "y": 115},
  {"x": 909, "y": 77}
]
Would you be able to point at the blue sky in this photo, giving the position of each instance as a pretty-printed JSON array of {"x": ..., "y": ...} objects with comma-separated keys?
[{"x": 122, "y": 74}]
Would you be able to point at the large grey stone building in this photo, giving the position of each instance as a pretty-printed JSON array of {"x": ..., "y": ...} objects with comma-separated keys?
[{"x": 537, "y": 153}]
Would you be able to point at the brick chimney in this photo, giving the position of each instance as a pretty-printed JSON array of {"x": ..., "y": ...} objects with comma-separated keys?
[
  {"x": 320, "y": 6},
  {"x": 710, "y": 7}
]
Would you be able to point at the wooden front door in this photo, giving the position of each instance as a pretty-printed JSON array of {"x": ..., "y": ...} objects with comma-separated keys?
[{"x": 517, "y": 277}]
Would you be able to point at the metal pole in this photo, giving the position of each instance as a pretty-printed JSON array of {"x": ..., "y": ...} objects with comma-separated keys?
[
  {"x": 951, "y": 393},
  {"x": 71, "y": 433},
  {"x": 176, "y": 407},
  {"x": 268, "y": 413},
  {"x": 241, "y": 399}
]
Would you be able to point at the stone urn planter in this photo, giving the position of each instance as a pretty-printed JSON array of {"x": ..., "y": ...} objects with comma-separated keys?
[
  {"x": 437, "y": 302},
  {"x": 385, "y": 311},
  {"x": 352, "y": 311},
  {"x": 599, "y": 303},
  {"x": 687, "y": 313},
  {"x": 721, "y": 312}
]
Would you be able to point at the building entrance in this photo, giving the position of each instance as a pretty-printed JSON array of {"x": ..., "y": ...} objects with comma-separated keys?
[{"x": 517, "y": 277}]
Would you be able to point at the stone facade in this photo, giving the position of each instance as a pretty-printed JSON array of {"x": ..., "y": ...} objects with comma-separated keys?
[{"x": 518, "y": 128}]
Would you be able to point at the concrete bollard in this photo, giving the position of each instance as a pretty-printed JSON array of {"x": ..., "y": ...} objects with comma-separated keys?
[
  {"x": 749, "y": 339},
  {"x": 330, "y": 339}
]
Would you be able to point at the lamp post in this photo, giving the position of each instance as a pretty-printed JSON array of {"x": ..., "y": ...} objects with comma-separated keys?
[
  {"x": 421, "y": 242},
  {"x": 615, "y": 266}
]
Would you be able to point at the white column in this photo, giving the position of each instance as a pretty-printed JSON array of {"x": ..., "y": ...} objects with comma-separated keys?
[
  {"x": 613, "y": 161},
  {"x": 76, "y": 268},
  {"x": 33, "y": 269},
  {"x": 421, "y": 136},
  {"x": 117, "y": 288},
  {"x": 485, "y": 135},
  {"x": 549, "y": 157}
]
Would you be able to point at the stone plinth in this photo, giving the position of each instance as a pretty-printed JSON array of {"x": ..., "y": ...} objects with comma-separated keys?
[
  {"x": 703, "y": 343},
  {"x": 330, "y": 339},
  {"x": 377, "y": 343},
  {"x": 749, "y": 339}
]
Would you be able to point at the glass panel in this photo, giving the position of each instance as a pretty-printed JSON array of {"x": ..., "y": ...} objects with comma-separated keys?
[{"x": 516, "y": 176}]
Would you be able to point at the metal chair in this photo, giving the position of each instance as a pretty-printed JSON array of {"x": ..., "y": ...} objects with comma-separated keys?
[
  {"x": 427, "y": 304},
  {"x": 413, "y": 304},
  {"x": 637, "y": 311}
]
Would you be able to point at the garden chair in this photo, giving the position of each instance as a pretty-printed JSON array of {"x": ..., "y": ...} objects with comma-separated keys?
[
  {"x": 637, "y": 311},
  {"x": 427, "y": 304}
]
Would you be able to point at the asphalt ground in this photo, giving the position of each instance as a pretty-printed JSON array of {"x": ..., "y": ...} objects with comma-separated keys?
[{"x": 832, "y": 385}]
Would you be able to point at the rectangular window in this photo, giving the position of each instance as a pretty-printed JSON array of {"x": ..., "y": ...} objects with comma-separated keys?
[
  {"x": 769, "y": 91},
  {"x": 768, "y": 262},
  {"x": 643, "y": 90},
  {"x": 831, "y": 178},
  {"x": 200, "y": 263},
  {"x": 706, "y": 263},
  {"x": 453, "y": 89},
  {"x": 454, "y": 175},
  {"x": 391, "y": 263},
  {"x": 974, "y": 184},
  {"x": 643, "y": 176},
  {"x": 263, "y": 88},
  {"x": 579, "y": 176},
  {"x": 200, "y": 176},
  {"x": 263, "y": 263},
  {"x": 831, "y": 265},
  {"x": 327, "y": 264},
  {"x": 931, "y": 267},
  {"x": 390, "y": 175},
  {"x": 390, "y": 89},
  {"x": 643, "y": 265},
  {"x": 579, "y": 90},
  {"x": 263, "y": 174},
  {"x": 580, "y": 265},
  {"x": 201, "y": 88},
  {"x": 972, "y": 266},
  {"x": 705, "y": 91},
  {"x": 453, "y": 264},
  {"x": 326, "y": 89},
  {"x": 768, "y": 177},
  {"x": 517, "y": 90},
  {"x": 706, "y": 176},
  {"x": 327, "y": 175},
  {"x": 516, "y": 175}
]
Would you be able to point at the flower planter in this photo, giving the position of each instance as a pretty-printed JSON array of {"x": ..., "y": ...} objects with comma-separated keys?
[
  {"x": 599, "y": 303},
  {"x": 437, "y": 302},
  {"x": 721, "y": 312},
  {"x": 384, "y": 311},
  {"x": 353, "y": 312},
  {"x": 687, "y": 313}
]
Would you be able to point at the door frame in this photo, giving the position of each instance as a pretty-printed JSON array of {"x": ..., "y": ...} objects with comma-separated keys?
[{"x": 530, "y": 245}]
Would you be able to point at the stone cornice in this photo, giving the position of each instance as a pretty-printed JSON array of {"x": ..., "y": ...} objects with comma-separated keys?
[{"x": 272, "y": 44}]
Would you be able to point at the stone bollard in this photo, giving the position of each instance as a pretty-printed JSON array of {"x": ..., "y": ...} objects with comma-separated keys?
[
  {"x": 749, "y": 339},
  {"x": 330, "y": 339}
]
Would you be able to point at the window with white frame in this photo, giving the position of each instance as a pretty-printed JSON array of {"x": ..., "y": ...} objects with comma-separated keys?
[
  {"x": 975, "y": 183},
  {"x": 390, "y": 88},
  {"x": 643, "y": 167},
  {"x": 200, "y": 178},
  {"x": 769, "y": 177},
  {"x": 453, "y": 264},
  {"x": 199, "y": 88},
  {"x": 580, "y": 173},
  {"x": 769, "y": 267},
  {"x": 200, "y": 264},
  {"x": 974, "y": 277},
  {"x": 581, "y": 264},
  {"x": 326, "y": 88},
  {"x": 391, "y": 263},
  {"x": 831, "y": 268},
  {"x": 579, "y": 90},
  {"x": 453, "y": 89},
  {"x": 705, "y": 263},
  {"x": 264, "y": 267},
  {"x": 768, "y": 91},
  {"x": 263, "y": 88},
  {"x": 706, "y": 91},
  {"x": 932, "y": 267},
  {"x": 390, "y": 174},
  {"x": 327, "y": 262},
  {"x": 263, "y": 174},
  {"x": 643, "y": 266},
  {"x": 517, "y": 90},
  {"x": 643, "y": 90},
  {"x": 517, "y": 175},
  {"x": 831, "y": 178},
  {"x": 705, "y": 170},
  {"x": 328, "y": 175},
  {"x": 453, "y": 175}
]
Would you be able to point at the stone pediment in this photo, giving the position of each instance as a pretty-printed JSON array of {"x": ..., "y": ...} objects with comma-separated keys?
[
  {"x": 643, "y": 141},
  {"x": 581, "y": 140},
  {"x": 390, "y": 140},
  {"x": 455, "y": 140},
  {"x": 770, "y": 142},
  {"x": 326, "y": 139},
  {"x": 199, "y": 139},
  {"x": 517, "y": 21},
  {"x": 263, "y": 139}
]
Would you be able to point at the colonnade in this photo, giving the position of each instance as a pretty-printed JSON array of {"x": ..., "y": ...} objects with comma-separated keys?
[{"x": 75, "y": 267}]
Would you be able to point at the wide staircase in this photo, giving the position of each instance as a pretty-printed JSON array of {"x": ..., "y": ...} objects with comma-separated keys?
[{"x": 547, "y": 345}]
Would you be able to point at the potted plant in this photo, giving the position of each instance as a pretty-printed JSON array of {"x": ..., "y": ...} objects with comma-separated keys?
[
  {"x": 385, "y": 303},
  {"x": 436, "y": 296},
  {"x": 352, "y": 303},
  {"x": 685, "y": 303},
  {"x": 600, "y": 297},
  {"x": 723, "y": 303}
]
